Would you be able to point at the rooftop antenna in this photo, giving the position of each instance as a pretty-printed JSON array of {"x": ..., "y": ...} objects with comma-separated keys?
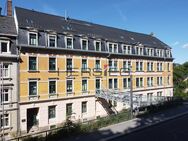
[{"x": 65, "y": 14}]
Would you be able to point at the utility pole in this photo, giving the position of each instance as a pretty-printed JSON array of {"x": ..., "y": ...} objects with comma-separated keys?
[{"x": 131, "y": 92}]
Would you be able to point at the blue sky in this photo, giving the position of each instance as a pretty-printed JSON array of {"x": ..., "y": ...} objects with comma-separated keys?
[{"x": 166, "y": 18}]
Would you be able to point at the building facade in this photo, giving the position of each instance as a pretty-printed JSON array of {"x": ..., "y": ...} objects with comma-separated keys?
[
  {"x": 8, "y": 77},
  {"x": 63, "y": 62}
]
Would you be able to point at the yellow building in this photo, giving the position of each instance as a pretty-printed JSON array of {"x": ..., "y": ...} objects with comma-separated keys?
[{"x": 63, "y": 62}]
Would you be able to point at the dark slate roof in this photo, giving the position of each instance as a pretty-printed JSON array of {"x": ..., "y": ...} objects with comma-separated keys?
[
  {"x": 43, "y": 21},
  {"x": 7, "y": 26}
]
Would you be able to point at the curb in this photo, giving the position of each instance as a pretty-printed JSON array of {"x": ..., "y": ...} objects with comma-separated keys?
[{"x": 143, "y": 127}]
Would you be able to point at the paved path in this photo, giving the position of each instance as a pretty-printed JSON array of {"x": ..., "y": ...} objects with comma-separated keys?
[
  {"x": 172, "y": 130},
  {"x": 120, "y": 129}
]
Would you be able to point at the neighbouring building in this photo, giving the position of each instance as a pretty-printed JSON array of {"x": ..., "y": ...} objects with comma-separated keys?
[
  {"x": 63, "y": 62},
  {"x": 8, "y": 76}
]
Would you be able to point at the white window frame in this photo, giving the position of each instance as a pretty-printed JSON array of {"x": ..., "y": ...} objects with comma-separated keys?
[
  {"x": 112, "y": 47},
  {"x": 36, "y": 62},
  {"x": 55, "y": 86},
  {"x": 113, "y": 83},
  {"x": 86, "y": 107},
  {"x": 4, "y": 119},
  {"x": 33, "y": 80},
  {"x": 6, "y": 93},
  {"x": 127, "y": 83},
  {"x": 6, "y": 69},
  {"x": 139, "y": 50},
  {"x": 36, "y": 38},
  {"x": 87, "y": 84},
  {"x": 139, "y": 82},
  {"x": 87, "y": 43},
  {"x": 72, "y": 86},
  {"x": 99, "y": 64},
  {"x": 139, "y": 66},
  {"x": 86, "y": 63},
  {"x": 95, "y": 44},
  {"x": 99, "y": 81},
  {"x": 52, "y": 35},
  {"x": 69, "y": 37},
  {"x": 55, "y": 112},
  {"x": 8, "y": 46},
  {"x": 125, "y": 49},
  {"x": 49, "y": 63}
]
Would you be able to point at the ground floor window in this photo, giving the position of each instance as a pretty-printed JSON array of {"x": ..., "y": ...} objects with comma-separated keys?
[
  {"x": 51, "y": 112},
  {"x": 4, "y": 120},
  {"x": 84, "y": 107},
  {"x": 69, "y": 109}
]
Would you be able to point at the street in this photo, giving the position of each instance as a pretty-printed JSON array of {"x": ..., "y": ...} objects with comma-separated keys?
[{"x": 173, "y": 130}]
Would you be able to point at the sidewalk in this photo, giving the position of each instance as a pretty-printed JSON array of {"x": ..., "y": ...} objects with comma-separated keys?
[{"x": 113, "y": 131}]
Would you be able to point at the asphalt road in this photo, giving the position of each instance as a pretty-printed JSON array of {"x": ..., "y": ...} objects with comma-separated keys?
[{"x": 173, "y": 130}]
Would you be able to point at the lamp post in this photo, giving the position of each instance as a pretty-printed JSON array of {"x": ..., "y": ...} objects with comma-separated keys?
[{"x": 131, "y": 92}]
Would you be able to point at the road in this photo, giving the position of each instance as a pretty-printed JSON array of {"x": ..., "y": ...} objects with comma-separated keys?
[{"x": 173, "y": 130}]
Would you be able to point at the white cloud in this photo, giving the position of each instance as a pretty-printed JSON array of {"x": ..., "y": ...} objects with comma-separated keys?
[
  {"x": 185, "y": 45},
  {"x": 175, "y": 43}
]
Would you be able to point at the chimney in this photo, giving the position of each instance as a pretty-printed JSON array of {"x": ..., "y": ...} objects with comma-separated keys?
[{"x": 9, "y": 8}]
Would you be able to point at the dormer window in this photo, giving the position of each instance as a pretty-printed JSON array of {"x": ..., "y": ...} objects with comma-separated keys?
[
  {"x": 52, "y": 41},
  {"x": 127, "y": 49},
  {"x": 113, "y": 47},
  {"x": 69, "y": 42},
  {"x": 149, "y": 52},
  {"x": 139, "y": 50},
  {"x": 168, "y": 53},
  {"x": 84, "y": 44},
  {"x": 33, "y": 39},
  {"x": 4, "y": 46},
  {"x": 160, "y": 52},
  {"x": 97, "y": 46}
]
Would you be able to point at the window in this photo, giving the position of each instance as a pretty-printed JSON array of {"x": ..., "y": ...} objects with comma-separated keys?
[
  {"x": 52, "y": 87},
  {"x": 84, "y": 44},
  {"x": 97, "y": 64},
  {"x": 110, "y": 83},
  {"x": 113, "y": 47},
  {"x": 113, "y": 65},
  {"x": 150, "y": 81},
  {"x": 5, "y": 46},
  {"x": 69, "y": 109},
  {"x": 149, "y": 98},
  {"x": 5, "y": 70},
  {"x": 69, "y": 86},
  {"x": 115, "y": 83},
  {"x": 84, "y": 85},
  {"x": 139, "y": 82},
  {"x": 168, "y": 53},
  {"x": 33, "y": 88},
  {"x": 52, "y": 64},
  {"x": 52, "y": 39},
  {"x": 149, "y": 66},
  {"x": 98, "y": 84},
  {"x": 126, "y": 65},
  {"x": 51, "y": 112},
  {"x": 159, "y": 66},
  {"x": 127, "y": 49},
  {"x": 97, "y": 46},
  {"x": 149, "y": 52},
  {"x": 84, "y": 107},
  {"x": 168, "y": 80},
  {"x": 139, "y": 66},
  {"x": 84, "y": 64},
  {"x": 168, "y": 66},
  {"x": 69, "y": 42},
  {"x": 5, "y": 96},
  {"x": 160, "y": 52},
  {"x": 139, "y": 51},
  {"x": 159, "y": 95},
  {"x": 32, "y": 63},
  {"x": 33, "y": 39},
  {"x": 69, "y": 64},
  {"x": 126, "y": 83},
  {"x": 4, "y": 120},
  {"x": 159, "y": 81}
]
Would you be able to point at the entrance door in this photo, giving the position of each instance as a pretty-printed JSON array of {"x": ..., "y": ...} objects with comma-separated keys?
[{"x": 32, "y": 120}]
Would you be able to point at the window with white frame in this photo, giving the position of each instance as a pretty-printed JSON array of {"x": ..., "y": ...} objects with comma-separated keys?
[
  {"x": 149, "y": 66},
  {"x": 97, "y": 45},
  {"x": 160, "y": 52},
  {"x": 84, "y": 64},
  {"x": 113, "y": 47},
  {"x": 69, "y": 42},
  {"x": 4, "y": 46},
  {"x": 69, "y": 109},
  {"x": 126, "y": 83},
  {"x": 32, "y": 63},
  {"x": 139, "y": 66},
  {"x": 5, "y": 70},
  {"x": 69, "y": 85},
  {"x": 159, "y": 81},
  {"x": 33, "y": 39},
  {"x": 33, "y": 88},
  {"x": 168, "y": 80},
  {"x": 139, "y": 50},
  {"x": 168, "y": 66},
  {"x": 168, "y": 53},
  {"x": 113, "y": 83},
  {"x": 84, "y": 107},
  {"x": 52, "y": 64},
  {"x": 126, "y": 65},
  {"x": 5, "y": 95},
  {"x": 69, "y": 64},
  {"x": 4, "y": 120},
  {"x": 51, "y": 112},
  {"x": 52, "y": 87},
  {"x": 98, "y": 84},
  {"x": 150, "y": 52},
  {"x": 127, "y": 49},
  {"x": 159, "y": 66},
  {"x": 84, "y": 44},
  {"x": 84, "y": 85},
  {"x": 52, "y": 40},
  {"x": 139, "y": 82},
  {"x": 150, "y": 81},
  {"x": 97, "y": 64},
  {"x": 113, "y": 65}
]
